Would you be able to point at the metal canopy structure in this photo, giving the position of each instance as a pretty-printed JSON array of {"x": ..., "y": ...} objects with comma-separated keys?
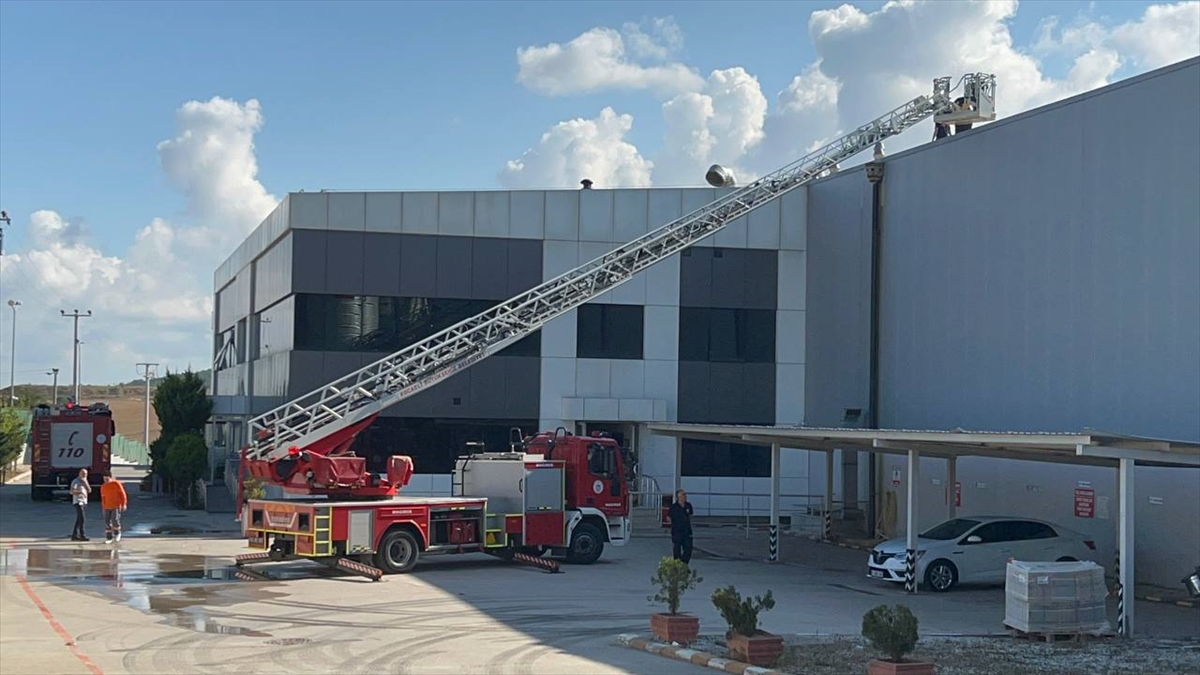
[{"x": 1088, "y": 447}]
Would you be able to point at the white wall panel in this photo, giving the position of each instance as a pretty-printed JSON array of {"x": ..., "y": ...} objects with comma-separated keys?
[
  {"x": 789, "y": 336},
  {"x": 383, "y": 211},
  {"x": 665, "y": 204},
  {"x": 558, "y": 257},
  {"x": 456, "y": 213},
  {"x": 662, "y": 382},
  {"x": 793, "y": 220},
  {"x": 789, "y": 393},
  {"x": 661, "y": 339},
  {"x": 593, "y": 377},
  {"x": 527, "y": 214},
  {"x": 559, "y": 335},
  {"x": 792, "y": 279},
  {"x": 491, "y": 213},
  {"x": 596, "y": 216},
  {"x": 662, "y": 282},
  {"x": 630, "y": 212},
  {"x": 557, "y": 382},
  {"x": 763, "y": 230},
  {"x": 694, "y": 198},
  {"x": 420, "y": 213},
  {"x": 347, "y": 211},
  {"x": 628, "y": 378},
  {"x": 562, "y": 215},
  {"x": 310, "y": 211}
]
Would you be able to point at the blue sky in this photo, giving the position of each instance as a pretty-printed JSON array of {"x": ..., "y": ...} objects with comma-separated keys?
[{"x": 367, "y": 95}]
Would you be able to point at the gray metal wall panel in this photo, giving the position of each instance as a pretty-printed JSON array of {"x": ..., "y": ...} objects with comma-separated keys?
[
  {"x": 488, "y": 269},
  {"x": 381, "y": 264},
  {"x": 453, "y": 267},
  {"x": 418, "y": 266},
  {"x": 344, "y": 263},
  {"x": 524, "y": 265},
  {"x": 1054, "y": 284},
  {"x": 837, "y": 345},
  {"x": 308, "y": 260}
]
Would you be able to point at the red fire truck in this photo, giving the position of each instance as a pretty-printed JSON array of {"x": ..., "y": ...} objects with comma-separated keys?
[
  {"x": 65, "y": 439},
  {"x": 553, "y": 492}
]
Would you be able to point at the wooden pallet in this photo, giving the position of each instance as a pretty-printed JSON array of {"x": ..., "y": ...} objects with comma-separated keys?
[{"x": 1075, "y": 637}]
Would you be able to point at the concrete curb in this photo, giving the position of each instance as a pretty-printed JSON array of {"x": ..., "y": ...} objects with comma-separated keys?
[{"x": 694, "y": 656}]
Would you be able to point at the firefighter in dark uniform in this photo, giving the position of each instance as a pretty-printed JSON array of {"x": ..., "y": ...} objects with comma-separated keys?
[{"x": 680, "y": 514}]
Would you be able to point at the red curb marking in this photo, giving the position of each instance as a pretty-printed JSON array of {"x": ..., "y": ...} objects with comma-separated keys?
[{"x": 58, "y": 627}]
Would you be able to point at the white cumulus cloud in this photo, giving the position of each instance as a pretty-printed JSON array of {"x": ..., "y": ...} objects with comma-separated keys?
[
  {"x": 867, "y": 63},
  {"x": 154, "y": 301},
  {"x": 581, "y": 148},
  {"x": 601, "y": 59}
]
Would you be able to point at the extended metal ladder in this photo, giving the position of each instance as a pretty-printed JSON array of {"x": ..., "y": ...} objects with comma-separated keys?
[{"x": 366, "y": 391}]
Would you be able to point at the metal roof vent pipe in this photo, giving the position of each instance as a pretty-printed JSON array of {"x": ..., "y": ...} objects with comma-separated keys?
[
  {"x": 586, "y": 183},
  {"x": 719, "y": 176}
]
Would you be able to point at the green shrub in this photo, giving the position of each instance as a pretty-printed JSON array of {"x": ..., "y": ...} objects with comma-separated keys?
[
  {"x": 673, "y": 579},
  {"x": 741, "y": 615},
  {"x": 891, "y": 630}
]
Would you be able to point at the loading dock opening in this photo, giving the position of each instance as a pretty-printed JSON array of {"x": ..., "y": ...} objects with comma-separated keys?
[{"x": 1088, "y": 448}]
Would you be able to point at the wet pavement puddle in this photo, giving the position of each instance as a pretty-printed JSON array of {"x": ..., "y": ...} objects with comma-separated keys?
[{"x": 179, "y": 588}]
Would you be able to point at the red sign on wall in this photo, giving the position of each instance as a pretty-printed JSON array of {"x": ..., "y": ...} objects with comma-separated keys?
[{"x": 1085, "y": 502}]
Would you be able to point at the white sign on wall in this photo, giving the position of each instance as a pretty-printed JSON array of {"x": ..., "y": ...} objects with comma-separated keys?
[{"x": 71, "y": 445}]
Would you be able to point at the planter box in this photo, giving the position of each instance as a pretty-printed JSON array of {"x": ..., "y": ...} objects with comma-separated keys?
[
  {"x": 763, "y": 649},
  {"x": 679, "y": 628},
  {"x": 877, "y": 667}
]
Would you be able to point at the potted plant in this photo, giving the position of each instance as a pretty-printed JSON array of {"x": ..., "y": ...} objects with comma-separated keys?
[
  {"x": 673, "y": 579},
  {"x": 746, "y": 642},
  {"x": 893, "y": 631}
]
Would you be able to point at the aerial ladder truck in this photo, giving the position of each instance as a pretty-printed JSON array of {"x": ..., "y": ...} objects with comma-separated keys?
[{"x": 552, "y": 491}]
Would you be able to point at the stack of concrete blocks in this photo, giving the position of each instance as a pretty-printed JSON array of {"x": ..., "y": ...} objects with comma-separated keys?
[{"x": 1058, "y": 597}]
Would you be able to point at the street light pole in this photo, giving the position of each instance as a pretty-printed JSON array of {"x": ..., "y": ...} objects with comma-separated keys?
[
  {"x": 146, "y": 374},
  {"x": 75, "y": 353},
  {"x": 12, "y": 368},
  {"x": 7, "y": 221},
  {"x": 54, "y": 372}
]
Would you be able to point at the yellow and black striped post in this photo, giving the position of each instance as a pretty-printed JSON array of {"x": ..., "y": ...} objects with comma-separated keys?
[
  {"x": 1120, "y": 594},
  {"x": 910, "y": 571},
  {"x": 773, "y": 543}
]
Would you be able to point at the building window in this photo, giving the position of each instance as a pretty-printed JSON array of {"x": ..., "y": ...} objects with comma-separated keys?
[
  {"x": 369, "y": 323},
  {"x": 712, "y": 458},
  {"x": 726, "y": 335},
  {"x": 609, "y": 331},
  {"x": 433, "y": 444}
]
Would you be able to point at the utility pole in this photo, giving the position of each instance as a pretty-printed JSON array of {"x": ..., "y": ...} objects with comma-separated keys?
[
  {"x": 12, "y": 368},
  {"x": 7, "y": 221},
  {"x": 75, "y": 352},
  {"x": 147, "y": 374},
  {"x": 54, "y": 372}
]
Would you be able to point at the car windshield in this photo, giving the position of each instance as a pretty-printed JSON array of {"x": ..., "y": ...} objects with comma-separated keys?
[{"x": 950, "y": 529}]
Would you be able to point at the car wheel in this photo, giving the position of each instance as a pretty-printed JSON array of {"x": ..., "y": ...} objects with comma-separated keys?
[
  {"x": 1066, "y": 558},
  {"x": 941, "y": 575}
]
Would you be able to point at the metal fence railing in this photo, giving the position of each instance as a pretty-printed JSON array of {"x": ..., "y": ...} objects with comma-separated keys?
[{"x": 133, "y": 452}]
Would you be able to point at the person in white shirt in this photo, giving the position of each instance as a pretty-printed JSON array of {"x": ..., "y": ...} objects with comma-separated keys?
[{"x": 79, "y": 497}]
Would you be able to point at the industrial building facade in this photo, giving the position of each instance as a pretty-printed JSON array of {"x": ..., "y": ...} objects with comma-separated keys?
[{"x": 1038, "y": 273}]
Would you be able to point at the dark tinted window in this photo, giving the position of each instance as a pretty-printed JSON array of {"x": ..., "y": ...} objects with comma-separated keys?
[
  {"x": 609, "y": 331},
  {"x": 993, "y": 533},
  {"x": 371, "y": 323},
  {"x": 726, "y": 335},
  {"x": 1025, "y": 529},
  {"x": 950, "y": 529},
  {"x": 432, "y": 443},
  {"x": 710, "y": 458}
]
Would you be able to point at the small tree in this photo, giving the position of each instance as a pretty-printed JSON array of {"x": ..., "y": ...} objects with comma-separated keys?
[
  {"x": 741, "y": 615},
  {"x": 12, "y": 438},
  {"x": 891, "y": 630},
  {"x": 183, "y": 407},
  {"x": 187, "y": 458},
  {"x": 673, "y": 579}
]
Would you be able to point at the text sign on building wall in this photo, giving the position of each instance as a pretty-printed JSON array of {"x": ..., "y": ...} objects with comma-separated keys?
[
  {"x": 1085, "y": 502},
  {"x": 71, "y": 445}
]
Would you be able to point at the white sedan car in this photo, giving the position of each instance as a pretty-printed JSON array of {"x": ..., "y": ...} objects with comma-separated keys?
[{"x": 976, "y": 549}]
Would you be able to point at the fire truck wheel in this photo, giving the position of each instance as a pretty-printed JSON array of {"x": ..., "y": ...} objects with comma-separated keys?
[
  {"x": 398, "y": 552},
  {"x": 40, "y": 494},
  {"x": 586, "y": 545}
]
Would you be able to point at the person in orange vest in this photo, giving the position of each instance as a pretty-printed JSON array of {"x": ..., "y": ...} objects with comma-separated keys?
[{"x": 113, "y": 501}]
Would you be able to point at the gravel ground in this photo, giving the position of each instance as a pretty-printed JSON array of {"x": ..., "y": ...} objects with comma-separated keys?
[{"x": 991, "y": 656}]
